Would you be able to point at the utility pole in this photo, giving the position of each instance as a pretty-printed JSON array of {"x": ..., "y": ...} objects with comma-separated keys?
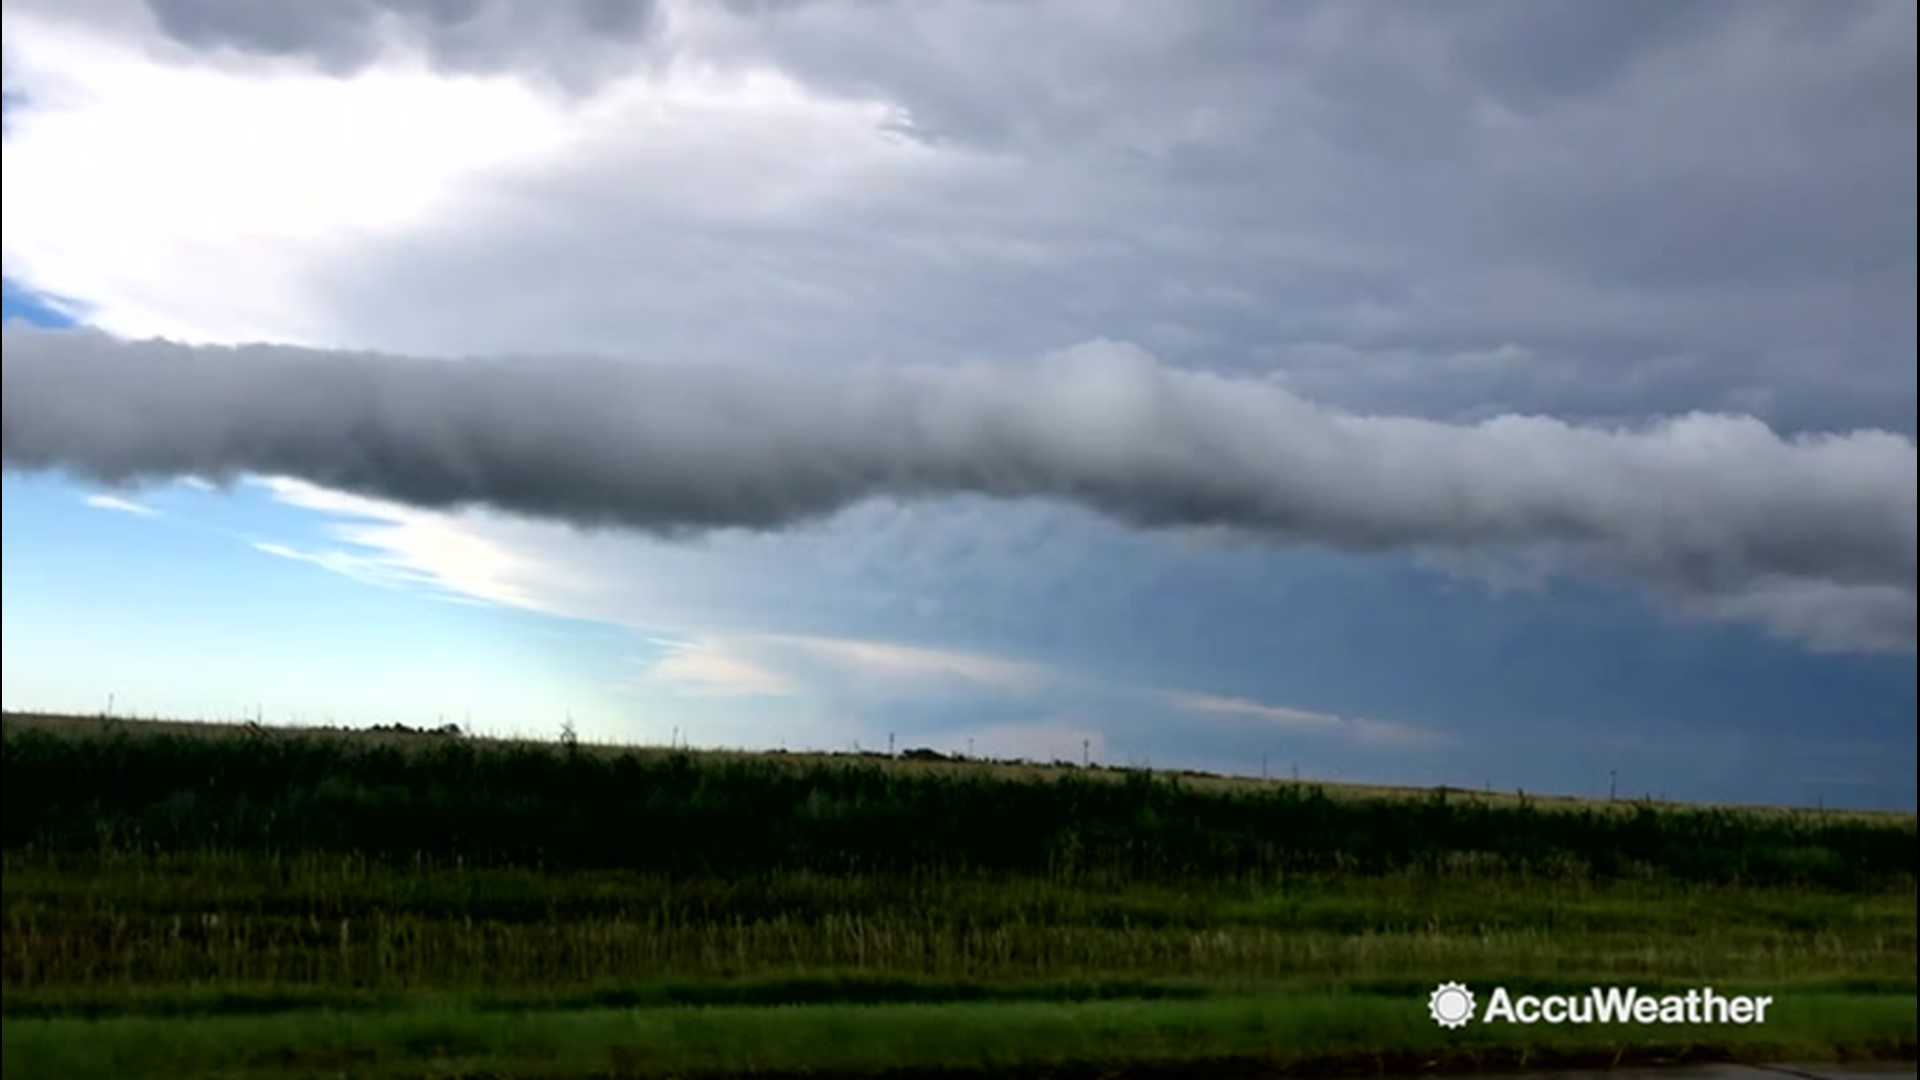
[
  {"x": 1086, "y": 753},
  {"x": 1263, "y": 766},
  {"x": 1612, "y": 783}
]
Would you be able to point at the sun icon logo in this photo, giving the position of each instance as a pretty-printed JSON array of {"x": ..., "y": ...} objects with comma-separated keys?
[{"x": 1450, "y": 1005}]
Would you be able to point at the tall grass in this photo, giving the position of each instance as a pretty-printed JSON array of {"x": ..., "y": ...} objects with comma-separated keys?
[
  {"x": 468, "y": 802},
  {"x": 231, "y": 920},
  {"x": 1347, "y": 1036},
  {"x": 155, "y": 871}
]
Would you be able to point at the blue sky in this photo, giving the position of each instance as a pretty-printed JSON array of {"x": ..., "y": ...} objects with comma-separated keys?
[
  {"x": 821, "y": 207},
  {"x": 173, "y": 611}
]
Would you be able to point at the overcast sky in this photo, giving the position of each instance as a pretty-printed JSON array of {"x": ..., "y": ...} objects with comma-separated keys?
[{"x": 1472, "y": 394}]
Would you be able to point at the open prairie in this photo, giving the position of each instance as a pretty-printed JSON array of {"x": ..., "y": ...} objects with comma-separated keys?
[{"x": 186, "y": 899}]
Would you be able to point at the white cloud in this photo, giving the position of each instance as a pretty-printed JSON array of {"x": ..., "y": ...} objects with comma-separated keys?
[
  {"x": 1356, "y": 729},
  {"x": 525, "y": 565},
  {"x": 393, "y": 542},
  {"x": 205, "y": 203},
  {"x": 889, "y": 662},
  {"x": 707, "y": 668},
  {"x": 845, "y": 688},
  {"x": 1825, "y": 616},
  {"x": 120, "y": 505},
  {"x": 367, "y": 569}
]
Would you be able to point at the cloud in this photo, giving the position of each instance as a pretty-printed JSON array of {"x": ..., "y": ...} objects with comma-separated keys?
[
  {"x": 1701, "y": 506},
  {"x": 1363, "y": 197},
  {"x": 1356, "y": 729},
  {"x": 1599, "y": 214},
  {"x": 1827, "y": 616},
  {"x": 329, "y": 165},
  {"x": 707, "y": 668},
  {"x": 875, "y": 681},
  {"x": 120, "y": 505},
  {"x": 389, "y": 543},
  {"x": 924, "y": 692},
  {"x": 891, "y": 662},
  {"x": 570, "y": 44},
  {"x": 369, "y": 570}
]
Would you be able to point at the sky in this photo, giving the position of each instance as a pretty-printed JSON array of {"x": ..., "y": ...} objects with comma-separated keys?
[{"x": 1510, "y": 396}]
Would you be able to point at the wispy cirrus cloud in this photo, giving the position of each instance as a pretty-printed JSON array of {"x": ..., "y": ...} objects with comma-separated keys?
[
  {"x": 1356, "y": 729},
  {"x": 120, "y": 504},
  {"x": 875, "y": 682},
  {"x": 364, "y": 568},
  {"x": 388, "y": 542},
  {"x": 708, "y": 668},
  {"x": 893, "y": 662}
]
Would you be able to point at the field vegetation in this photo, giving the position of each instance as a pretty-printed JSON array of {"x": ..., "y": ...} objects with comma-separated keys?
[{"x": 252, "y": 901}]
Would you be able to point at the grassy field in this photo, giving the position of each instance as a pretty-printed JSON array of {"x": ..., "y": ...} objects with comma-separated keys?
[
  {"x": 418, "y": 739},
  {"x": 1222, "y": 1037},
  {"x": 184, "y": 900}
]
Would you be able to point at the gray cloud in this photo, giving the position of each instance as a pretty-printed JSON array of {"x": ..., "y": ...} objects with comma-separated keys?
[
  {"x": 1827, "y": 616},
  {"x": 1812, "y": 536},
  {"x": 1698, "y": 206},
  {"x": 571, "y": 44},
  {"x": 1670, "y": 207}
]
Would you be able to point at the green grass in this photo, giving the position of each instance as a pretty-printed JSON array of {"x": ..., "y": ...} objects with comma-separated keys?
[
  {"x": 555, "y": 808},
  {"x": 417, "y": 740},
  {"x": 182, "y": 901},
  {"x": 1275, "y": 1031},
  {"x": 128, "y": 921}
]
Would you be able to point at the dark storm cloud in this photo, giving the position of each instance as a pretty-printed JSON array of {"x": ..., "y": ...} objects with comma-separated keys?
[
  {"x": 1718, "y": 509},
  {"x": 562, "y": 39},
  {"x": 1703, "y": 204},
  {"x": 1668, "y": 207}
]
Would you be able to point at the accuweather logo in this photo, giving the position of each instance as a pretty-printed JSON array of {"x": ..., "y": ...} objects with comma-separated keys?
[{"x": 1452, "y": 1005}]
